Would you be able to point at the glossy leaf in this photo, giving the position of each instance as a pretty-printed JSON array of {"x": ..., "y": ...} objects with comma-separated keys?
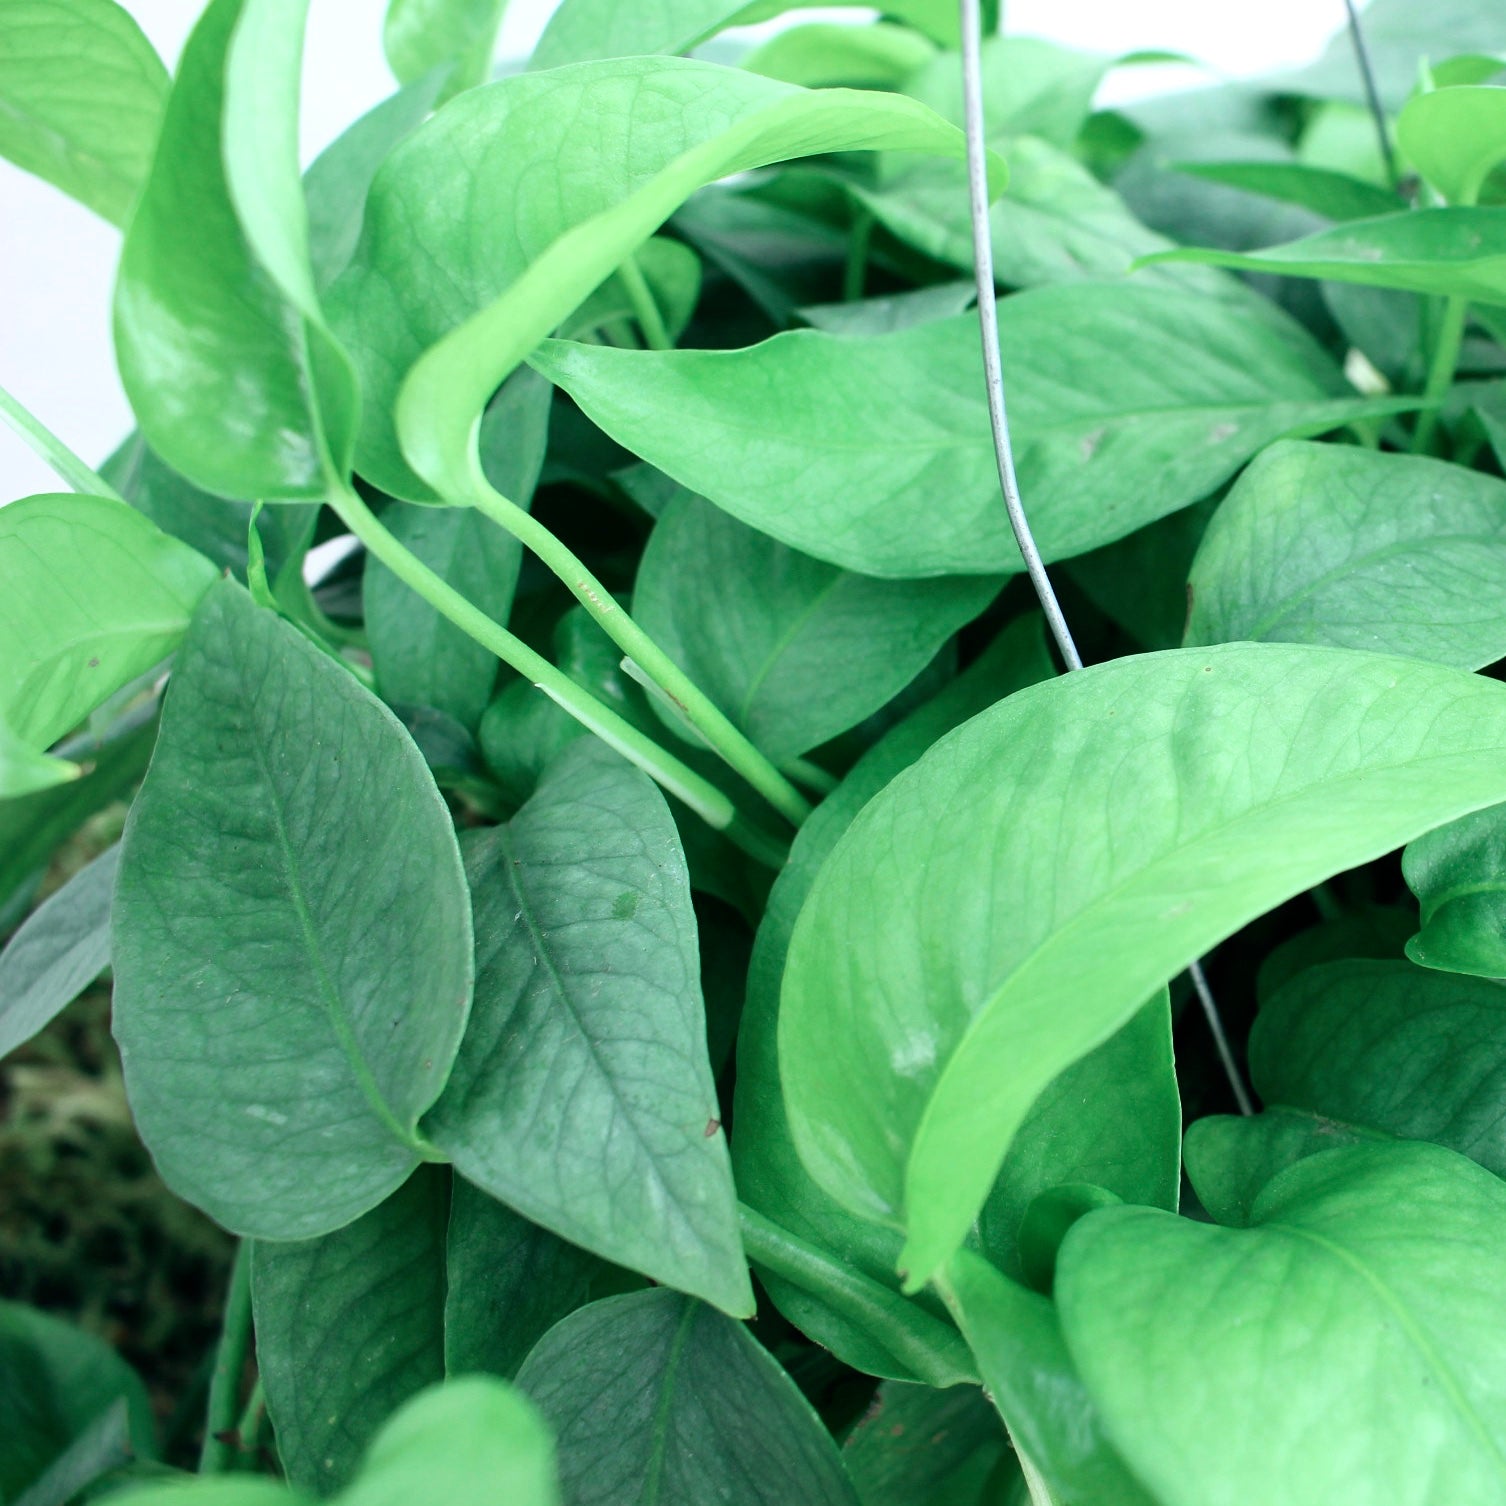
[
  {"x": 420, "y": 35},
  {"x": 1331, "y": 544},
  {"x": 582, "y": 1096},
  {"x": 1366, "y": 1293},
  {"x": 95, "y": 595},
  {"x": 1454, "y": 252},
  {"x": 1334, "y": 195},
  {"x": 81, "y": 99},
  {"x": 1453, "y": 137},
  {"x": 794, "y": 650},
  {"x": 349, "y": 1326},
  {"x": 1126, "y": 404},
  {"x": 61, "y": 949},
  {"x": 916, "y": 1030},
  {"x": 656, "y": 1398},
  {"x": 1458, "y": 874},
  {"x": 291, "y": 985}
]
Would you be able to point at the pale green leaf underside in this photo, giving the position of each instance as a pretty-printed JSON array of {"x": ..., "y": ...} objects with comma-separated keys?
[{"x": 1010, "y": 901}]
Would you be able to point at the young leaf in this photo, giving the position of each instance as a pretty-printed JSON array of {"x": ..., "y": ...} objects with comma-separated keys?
[
  {"x": 1367, "y": 1293},
  {"x": 95, "y": 596},
  {"x": 916, "y": 1029},
  {"x": 825, "y": 55},
  {"x": 1126, "y": 404},
  {"x": 81, "y": 99},
  {"x": 421, "y": 35},
  {"x": 1458, "y": 874},
  {"x": 656, "y": 1398},
  {"x": 1333, "y": 544},
  {"x": 61, "y": 949},
  {"x": 292, "y": 983},
  {"x": 794, "y": 650},
  {"x": 349, "y": 1326},
  {"x": 582, "y": 1096},
  {"x": 1453, "y": 137}
]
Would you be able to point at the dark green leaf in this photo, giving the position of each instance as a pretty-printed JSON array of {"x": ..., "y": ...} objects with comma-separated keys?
[
  {"x": 103, "y": 1446},
  {"x": 81, "y": 98},
  {"x": 656, "y": 1398},
  {"x": 291, "y": 982},
  {"x": 582, "y": 1095},
  {"x": 1458, "y": 874},
  {"x": 1367, "y": 1294},
  {"x": 1126, "y": 404},
  {"x": 917, "y": 1029},
  {"x": 1334, "y": 195},
  {"x": 349, "y": 1326}
]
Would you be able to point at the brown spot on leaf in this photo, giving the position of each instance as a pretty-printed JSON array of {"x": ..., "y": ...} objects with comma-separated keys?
[{"x": 712, "y": 1126}]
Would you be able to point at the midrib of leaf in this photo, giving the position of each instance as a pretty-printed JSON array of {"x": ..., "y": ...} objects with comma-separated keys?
[
  {"x": 1463, "y": 891},
  {"x": 334, "y": 1007},
  {"x": 652, "y": 1476}
]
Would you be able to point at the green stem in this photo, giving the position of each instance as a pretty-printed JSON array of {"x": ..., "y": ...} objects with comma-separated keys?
[
  {"x": 253, "y": 1419},
  {"x": 811, "y": 775},
  {"x": 708, "y": 719},
  {"x": 48, "y": 447},
  {"x": 1441, "y": 372},
  {"x": 225, "y": 1383},
  {"x": 702, "y": 797},
  {"x": 855, "y": 273},
  {"x": 645, "y": 307}
]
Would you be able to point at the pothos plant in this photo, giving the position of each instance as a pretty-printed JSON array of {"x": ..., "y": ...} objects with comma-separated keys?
[{"x": 673, "y": 991}]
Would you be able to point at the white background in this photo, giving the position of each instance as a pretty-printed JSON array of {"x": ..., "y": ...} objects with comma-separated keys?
[{"x": 57, "y": 260}]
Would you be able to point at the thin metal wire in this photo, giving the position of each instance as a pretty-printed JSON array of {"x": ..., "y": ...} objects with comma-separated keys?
[
  {"x": 993, "y": 369},
  {"x": 1372, "y": 93}
]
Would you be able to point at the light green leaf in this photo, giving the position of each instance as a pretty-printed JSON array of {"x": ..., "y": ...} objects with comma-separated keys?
[
  {"x": 291, "y": 985},
  {"x": 894, "y": 311},
  {"x": 62, "y": 947},
  {"x": 81, "y": 99},
  {"x": 825, "y": 55},
  {"x": 1126, "y": 404},
  {"x": 582, "y": 1096},
  {"x": 1453, "y": 137},
  {"x": 1453, "y": 252},
  {"x": 94, "y": 596},
  {"x": 349, "y": 1326},
  {"x": 794, "y": 650},
  {"x": 1343, "y": 1348},
  {"x": 658, "y": 1399},
  {"x": 673, "y": 274},
  {"x": 1331, "y": 544},
  {"x": 23, "y": 771},
  {"x": 420, "y": 35},
  {"x": 1124, "y": 820},
  {"x": 1334, "y": 195},
  {"x": 216, "y": 1491},
  {"x": 1458, "y": 874}
]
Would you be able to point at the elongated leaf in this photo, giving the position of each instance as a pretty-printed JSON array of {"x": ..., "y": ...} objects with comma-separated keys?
[
  {"x": 103, "y": 1446},
  {"x": 792, "y": 649},
  {"x": 60, "y": 950},
  {"x": 291, "y": 985},
  {"x": 582, "y": 1095},
  {"x": 1345, "y": 1347},
  {"x": 1126, "y": 404},
  {"x": 1454, "y": 252},
  {"x": 490, "y": 274},
  {"x": 656, "y": 1398},
  {"x": 81, "y": 99},
  {"x": 1328, "y": 544},
  {"x": 349, "y": 1326},
  {"x": 95, "y": 595},
  {"x": 420, "y": 35},
  {"x": 1124, "y": 819},
  {"x": 1458, "y": 874},
  {"x": 1334, "y": 195}
]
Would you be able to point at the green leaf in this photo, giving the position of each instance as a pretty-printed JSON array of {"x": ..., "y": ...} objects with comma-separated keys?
[
  {"x": 917, "y": 1029},
  {"x": 770, "y": 1175},
  {"x": 1017, "y": 1336},
  {"x": 471, "y": 1442},
  {"x": 673, "y": 274},
  {"x": 291, "y": 986},
  {"x": 95, "y": 596},
  {"x": 1126, "y": 404},
  {"x": 508, "y": 1282},
  {"x": 1334, "y": 195},
  {"x": 349, "y": 1326},
  {"x": 102, "y": 1447},
  {"x": 656, "y": 1398},
  {"x": 61, "y": 949},
  {"x": 55, "y": 1380},
  {"x": 215, "y": 1491},
  {"x": 1366, "y": 1295},
  {"x": 1451, "y": 252},
  {"x": 24, "y": 771},
  {"x": 1331, "y": 544},
  {"x": 824, "y": 55},
  {"x": 920, "y": 1447},
  {"x": 81, "y": 99},
  {"x": 882, "y": 316},
  {"x": 420, "y": 35},
  {"x": 220, "y": 342},
  {"x": 582, "y": 1096},
  {"x": 1453, "y": 137},
  {"x": 794, "y": 650},
  {"x": 1458, "y": 874}
]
